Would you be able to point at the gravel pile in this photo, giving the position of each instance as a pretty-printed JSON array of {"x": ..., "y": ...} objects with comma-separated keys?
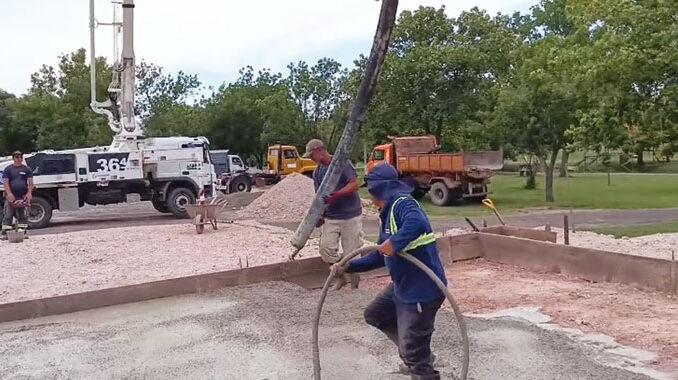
[
  {"x": 657, "y": 245},
  {"x": 49, "y": 265},
  {"x": 287, "y": 201}
]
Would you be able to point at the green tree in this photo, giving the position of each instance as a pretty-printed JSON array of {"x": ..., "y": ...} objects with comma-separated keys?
[
  {"x": 629, "y": 61},
  {"x": 162, "y": 101}
]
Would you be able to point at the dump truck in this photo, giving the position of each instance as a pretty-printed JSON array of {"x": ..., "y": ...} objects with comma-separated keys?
[
  {"x": 446, "y": 177},
  {"x": 282, "y": 160}
]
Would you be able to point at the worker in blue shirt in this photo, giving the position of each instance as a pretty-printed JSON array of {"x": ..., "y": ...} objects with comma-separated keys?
[{"x": 405, "y": 311}]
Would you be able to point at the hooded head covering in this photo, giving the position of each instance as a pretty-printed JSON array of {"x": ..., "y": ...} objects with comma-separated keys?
[{"x": 383, "y": 183}]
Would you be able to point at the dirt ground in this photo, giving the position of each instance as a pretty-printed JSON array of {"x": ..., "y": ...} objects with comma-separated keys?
[{"x": 642, "y": 319}]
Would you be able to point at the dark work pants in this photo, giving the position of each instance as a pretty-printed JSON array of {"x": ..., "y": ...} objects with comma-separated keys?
[
  {"x": 409, "y": 326},
  {"x": 8, "y": 218}
]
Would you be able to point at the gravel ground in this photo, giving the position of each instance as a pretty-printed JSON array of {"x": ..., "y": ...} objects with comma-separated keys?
[
  {"x": 263, "y": 332},
  {"x": 657, "y": 245},
  {"x": 50, "y": 265}
]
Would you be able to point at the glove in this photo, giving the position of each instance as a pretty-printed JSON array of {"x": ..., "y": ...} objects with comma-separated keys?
[
  {"x": 332, "y": 198},
  {"x": 338, "y": 270}
]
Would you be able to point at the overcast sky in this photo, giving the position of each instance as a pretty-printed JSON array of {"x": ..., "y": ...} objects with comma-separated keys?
[{"x": 210, "y": 38}]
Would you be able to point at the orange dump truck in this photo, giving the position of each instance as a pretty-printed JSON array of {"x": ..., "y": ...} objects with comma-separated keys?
[{"x": 445, "y": 176}]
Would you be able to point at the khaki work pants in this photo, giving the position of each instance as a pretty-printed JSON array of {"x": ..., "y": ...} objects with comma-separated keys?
[{"x": 347, "y": 232}]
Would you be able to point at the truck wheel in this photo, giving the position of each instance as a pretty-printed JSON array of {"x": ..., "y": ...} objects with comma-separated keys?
[
  {"x": 239, "y": 185},
  {"x": 39, "y": 213},
  {"x": 440, "y": 194},
  {"x": 177, "y": 199},
  {"x": 160, "y": 206}
]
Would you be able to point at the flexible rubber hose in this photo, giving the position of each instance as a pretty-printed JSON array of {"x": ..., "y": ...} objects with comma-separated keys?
[{"x": 455, "y": 307}]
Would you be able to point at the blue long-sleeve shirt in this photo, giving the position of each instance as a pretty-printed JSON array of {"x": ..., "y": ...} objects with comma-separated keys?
[{"x": 411, "y": 284}]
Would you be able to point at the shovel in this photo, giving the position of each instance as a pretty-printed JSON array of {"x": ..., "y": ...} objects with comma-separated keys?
[{"x": 488, "y": 202}]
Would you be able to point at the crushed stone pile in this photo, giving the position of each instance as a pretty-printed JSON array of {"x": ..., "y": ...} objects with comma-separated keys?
[
  {"x": 657, "y": 245},
  {"x": 50, "y": 265},
  {"x": 287, "y": 201}
]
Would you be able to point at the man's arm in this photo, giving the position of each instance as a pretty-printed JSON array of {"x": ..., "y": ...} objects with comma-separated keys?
[
  {"x": 372, "y": 261},
  {"x": 351, "y": 187},
  {"x": 413, "y": 224},
  {"x": 29, "y": 194},
  {"x": 8, "y": 192}
]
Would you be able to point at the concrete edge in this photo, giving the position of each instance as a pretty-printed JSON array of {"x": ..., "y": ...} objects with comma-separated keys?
[
  {"x": 589, "y": 264},
  {"x": 305, "y": 271}
]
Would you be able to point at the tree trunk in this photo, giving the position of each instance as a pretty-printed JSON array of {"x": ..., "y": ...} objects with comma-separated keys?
[
  {"x": 548, "y": 174},
  {"x": 639, "y": 153},
  {"x": 563, "y": 163}
]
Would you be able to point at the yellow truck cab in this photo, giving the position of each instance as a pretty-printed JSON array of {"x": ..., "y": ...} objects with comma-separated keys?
[{"x": 285, "y": 159}]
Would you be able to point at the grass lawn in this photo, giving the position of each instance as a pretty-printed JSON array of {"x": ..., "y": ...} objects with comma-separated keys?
[
  {"x": 638, "y": 230},
  {"x": 582, "y": 191}
]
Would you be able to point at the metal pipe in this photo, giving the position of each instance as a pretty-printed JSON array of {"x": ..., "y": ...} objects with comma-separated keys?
[
  {"x": 96, "y": 106},
  {"x": 348, "y": 139}
]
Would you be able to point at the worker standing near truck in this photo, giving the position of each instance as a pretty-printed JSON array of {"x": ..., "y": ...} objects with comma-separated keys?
[
  {"x": 342, "y": 220},
  {"x": 405, "y": 311},
  {"x": 18, "y": 185}
]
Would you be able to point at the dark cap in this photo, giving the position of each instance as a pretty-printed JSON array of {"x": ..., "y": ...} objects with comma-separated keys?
[{"x": 17, "y": 153}]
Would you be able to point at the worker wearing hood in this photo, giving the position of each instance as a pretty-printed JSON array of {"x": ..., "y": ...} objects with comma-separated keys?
[{"x": 405, "y": 311}]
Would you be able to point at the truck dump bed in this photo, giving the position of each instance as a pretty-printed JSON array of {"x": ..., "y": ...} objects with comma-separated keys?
[{"x": 450, "y": 162}]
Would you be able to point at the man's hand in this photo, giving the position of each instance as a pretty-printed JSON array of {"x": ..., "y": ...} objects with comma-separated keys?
[
  {"x": 386, "y": 248},
  {"x": 333, "y": 198},
  {"x": 320, "y": 223},
  {"x": 337, "y": 269},
  {"x": 28, "y": 198}
]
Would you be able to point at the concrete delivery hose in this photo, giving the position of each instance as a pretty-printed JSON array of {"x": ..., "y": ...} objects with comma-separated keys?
[{"x": 418, "y": 264}]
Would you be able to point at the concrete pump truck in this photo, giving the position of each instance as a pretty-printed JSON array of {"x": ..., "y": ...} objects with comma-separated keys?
[{"x": 170, "y": 172}]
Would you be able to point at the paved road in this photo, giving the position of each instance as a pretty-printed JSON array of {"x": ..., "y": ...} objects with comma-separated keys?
[{"x": 139, "y": 214}]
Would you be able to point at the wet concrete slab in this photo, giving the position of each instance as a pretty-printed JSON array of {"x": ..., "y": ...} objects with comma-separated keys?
[{"x": 263, "y": 332}]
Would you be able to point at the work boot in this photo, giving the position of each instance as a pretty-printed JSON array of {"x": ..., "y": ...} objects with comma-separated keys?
[
  {"x": 3, "y": 237},
  {"x": 405, "y": 370}
]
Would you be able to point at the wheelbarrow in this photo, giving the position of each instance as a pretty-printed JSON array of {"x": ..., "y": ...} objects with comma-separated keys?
[{"x": 202, "y": 214}]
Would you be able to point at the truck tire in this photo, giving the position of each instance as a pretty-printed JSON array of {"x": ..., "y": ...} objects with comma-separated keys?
[
  {"x": 440, "y": 194},
  {"x": 160, "y": 206},
  {"x": 39, "y": 213},
  {"x": 240, "y": 184},
  {"x": 177, "y": 199}
]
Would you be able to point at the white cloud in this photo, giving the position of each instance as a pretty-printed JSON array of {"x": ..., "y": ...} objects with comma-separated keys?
[{"x": 211, "y": 38}]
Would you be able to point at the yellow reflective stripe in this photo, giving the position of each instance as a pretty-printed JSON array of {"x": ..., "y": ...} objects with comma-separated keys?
[
  {"x": 5, "y": 227},
  {"x": 394, "y": 226},
  {"x": 424, "y": 239}
]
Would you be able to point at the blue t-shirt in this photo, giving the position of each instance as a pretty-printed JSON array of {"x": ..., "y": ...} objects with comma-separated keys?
[
  {"x": 18, "y": 179},
  {"x": 346, "y": 207}
]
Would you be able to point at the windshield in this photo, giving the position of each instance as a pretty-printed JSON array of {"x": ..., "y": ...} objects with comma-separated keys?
[
  {"x": 290, "y": 154},
  {"x": 378, "y": 155}
]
